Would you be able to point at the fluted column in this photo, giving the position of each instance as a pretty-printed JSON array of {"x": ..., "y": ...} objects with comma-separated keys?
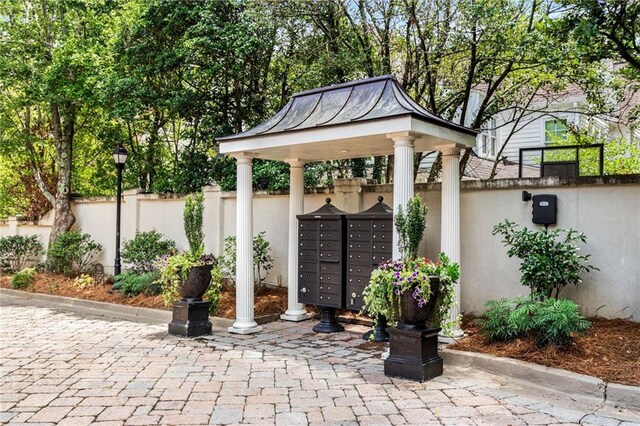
[
  {"x": 402, "y": 178},
  {"x": 450, "y": 223},
  {"x": 295, "y": 311},
  {"x": 244, "y": 323}
]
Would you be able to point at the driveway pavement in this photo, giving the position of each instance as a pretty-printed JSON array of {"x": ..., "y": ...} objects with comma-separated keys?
[{"x": 62, "y": 368}]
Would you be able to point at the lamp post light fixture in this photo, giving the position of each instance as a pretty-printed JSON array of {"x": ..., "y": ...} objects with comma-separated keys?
[{"x": 120, "y": 157}]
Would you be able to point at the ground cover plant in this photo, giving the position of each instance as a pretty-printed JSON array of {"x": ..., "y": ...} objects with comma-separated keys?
[
  {"x": 548, "y": 322},
  {"x": 23, "y": 278}
]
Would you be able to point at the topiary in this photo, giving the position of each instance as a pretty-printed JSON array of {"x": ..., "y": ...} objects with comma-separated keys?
[{"x": 192, "y": 215}]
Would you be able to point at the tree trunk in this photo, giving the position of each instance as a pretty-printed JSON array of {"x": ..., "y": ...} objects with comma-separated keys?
[
  {"x": 378, "y": 163},
  {"x": 64, "y": 132}
]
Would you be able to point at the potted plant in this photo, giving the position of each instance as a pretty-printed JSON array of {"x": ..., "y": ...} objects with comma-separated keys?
[
  {"x": 187, "y": 276},
  {"x": 413, "y": 292},
  {"x": 416, "y": 295}
]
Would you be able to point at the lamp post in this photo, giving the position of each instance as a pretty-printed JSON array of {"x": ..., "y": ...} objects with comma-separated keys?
[{"x": 120, "y": 157}]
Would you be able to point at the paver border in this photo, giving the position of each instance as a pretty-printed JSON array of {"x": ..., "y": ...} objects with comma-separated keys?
[{"x": 613, "y": 394}]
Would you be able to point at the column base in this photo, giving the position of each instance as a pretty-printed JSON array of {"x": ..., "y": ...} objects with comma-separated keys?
[
  {"x": 296, "y": 316},
  {"x": 413, "y": 354},
  {"x": 452, "y": 337},
  {"x": 250, "y": 330},
  {"x": 190, "y": 319},
  {"x": 328, "y": 322}
]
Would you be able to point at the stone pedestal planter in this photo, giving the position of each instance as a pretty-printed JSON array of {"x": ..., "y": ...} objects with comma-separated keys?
[
  {"x": 191, "y": 314},
  {"x": 413, "y": 354}
]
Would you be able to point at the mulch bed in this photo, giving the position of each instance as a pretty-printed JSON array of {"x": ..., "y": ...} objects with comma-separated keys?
[
  {"x": 269, "y": 301},
  {"x": 609, "y": 350}
]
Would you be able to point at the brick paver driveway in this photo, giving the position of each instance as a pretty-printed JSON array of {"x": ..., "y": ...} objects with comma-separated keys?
[{"x": 61, "y": 368}]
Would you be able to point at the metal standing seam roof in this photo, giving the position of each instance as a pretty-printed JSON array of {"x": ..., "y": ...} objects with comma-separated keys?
[{"x": 369, "y": 99}]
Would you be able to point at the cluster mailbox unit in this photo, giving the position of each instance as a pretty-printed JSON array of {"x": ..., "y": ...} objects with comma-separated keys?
[
  {"x": 321, "y": 264},
  {"x": 369, "y": 240},
  {"x": 337, "y": 253}
]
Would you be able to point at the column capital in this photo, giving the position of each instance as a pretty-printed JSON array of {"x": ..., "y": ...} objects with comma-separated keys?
[
  {"x": 244, "y": 157},
  {"x": 295, "y": 162},
  {"x": 403, "y": 138},
  {"x": 449, "y": 150}
]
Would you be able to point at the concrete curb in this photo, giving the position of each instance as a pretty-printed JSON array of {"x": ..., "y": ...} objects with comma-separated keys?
[
  {"x": 112, "y": 310},
  {"x": 613, "y": 394}
]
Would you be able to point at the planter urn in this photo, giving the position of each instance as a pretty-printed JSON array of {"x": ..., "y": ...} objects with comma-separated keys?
[
  {"x": 191, "y": 313},
  {"x": 413, "y": 343}
]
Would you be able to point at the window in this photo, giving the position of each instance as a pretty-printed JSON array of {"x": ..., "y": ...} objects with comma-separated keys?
[
  {"x": 554, "y": 130},
  {"x": 489, "y": 138}
]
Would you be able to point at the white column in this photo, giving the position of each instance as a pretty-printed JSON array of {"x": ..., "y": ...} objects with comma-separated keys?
[
  {"x": 450, "y": 222},
  {"x": 402, "y": 179},
  {"x": 295, "y": 311},
  {"x": 244, "y": 323}
]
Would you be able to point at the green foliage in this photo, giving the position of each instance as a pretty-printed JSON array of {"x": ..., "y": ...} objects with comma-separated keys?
[
  {"x": 410, "y": 227},
  {"x": 262, "y": 259},
  {"x": 193, "y": 211},
  {"x": 16, "y": 250},
  {"x": 144, "y": 249},
  {"x": 213, "y": 292},
  {"x": 620, "y": 156},
  {"x": 132, "y": 283},
  {"x": 550, "y": 259},
  {"x": 549, "y": 322},
  {"x": 390, "y": 280},
  {"x": 83, "y": 281},
  {"x": 72, "y": 252},
  {"x": 174, "y": 269},
  {"x": 556, "y": 321},
  {"x": 23, "y": 278}
]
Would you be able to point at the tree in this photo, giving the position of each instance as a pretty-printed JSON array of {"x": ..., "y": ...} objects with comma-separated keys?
[
  {"x": 604, "y": 29},
  {"x": 50, "y": 55}
]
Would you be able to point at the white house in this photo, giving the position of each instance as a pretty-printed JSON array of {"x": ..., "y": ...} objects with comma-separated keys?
[{"x": 547, "y": 119}]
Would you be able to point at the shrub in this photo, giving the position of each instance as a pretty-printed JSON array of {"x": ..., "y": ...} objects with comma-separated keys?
[
  {"x": 410, "y": 227},
  {"x": 555, "y": 321},
  {"x": 16, "y": 250},
  {"x": 72, "y": 252},
  {"x": 23, "y": 278},
  {"x": 144, "y": 249},
  {"x": 262, "y": 259},
  {"x": 192, "y": 215},
  {"x": 550, "y": 261},
  {"x": 132, "y": 283},
  {"x": 549, "y": 322},
  {"x": 214, "y": 290}
]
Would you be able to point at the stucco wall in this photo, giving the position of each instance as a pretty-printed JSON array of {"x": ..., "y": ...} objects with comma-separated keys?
[{"x": 606, "y": 209}]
